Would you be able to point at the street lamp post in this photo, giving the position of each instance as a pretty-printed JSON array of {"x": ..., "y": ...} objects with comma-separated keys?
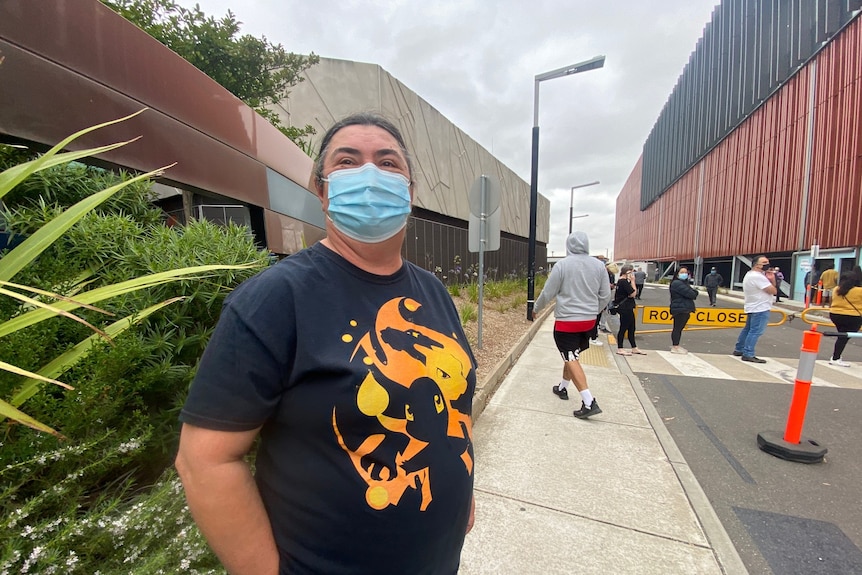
[
  {"x": 572, "y": 201},
  {"x": 585, "y": 66}
]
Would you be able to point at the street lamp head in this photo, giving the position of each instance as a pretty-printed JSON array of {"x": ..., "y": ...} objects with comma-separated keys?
[
  {"x": 585, "y": 185},
  {"x": 586, "y": 66}
]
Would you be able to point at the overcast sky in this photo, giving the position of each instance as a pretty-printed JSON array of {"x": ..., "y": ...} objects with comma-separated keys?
[{"x": 475, "y": 62}]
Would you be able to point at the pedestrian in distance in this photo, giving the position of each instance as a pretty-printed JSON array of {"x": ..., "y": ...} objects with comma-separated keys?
[
  {"x": 812, "y": 277},
  {"x": 682, "y": 297},
  {"x": 640, "y": 280},
  {"x": 758, "y": 286},
  {"x": 613, "y": 270},
  {"x": 845, "y": 314},
  {"x": 351, "y": 366},
  {"x": 779, "y": 279},
  {"x": 624, "y": 297},
  {"x": 579, "y": 282},
  {"x": 712, "y": 281},
  {"x": 828, "y": 282},
  {"x": 601, "y": 322}
]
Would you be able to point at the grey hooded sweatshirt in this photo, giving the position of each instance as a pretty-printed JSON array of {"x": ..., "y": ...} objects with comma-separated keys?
[{"x": 579, "y": 282}]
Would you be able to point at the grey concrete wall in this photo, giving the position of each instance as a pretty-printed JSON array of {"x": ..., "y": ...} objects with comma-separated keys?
[{"x": 446, "y": 159}]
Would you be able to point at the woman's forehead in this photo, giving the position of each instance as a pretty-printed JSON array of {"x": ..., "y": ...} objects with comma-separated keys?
[{"x": 364, "y": 138}]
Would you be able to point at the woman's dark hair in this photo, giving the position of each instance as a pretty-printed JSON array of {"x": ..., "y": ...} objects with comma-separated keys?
[
  {"x": 626, "y": 269},
  {"x": 360, "y": 119},
  {"x": 846, "y": 283}
]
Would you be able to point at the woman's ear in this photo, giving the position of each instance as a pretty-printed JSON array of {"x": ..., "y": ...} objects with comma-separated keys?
[{"x": 316, "y": 185}]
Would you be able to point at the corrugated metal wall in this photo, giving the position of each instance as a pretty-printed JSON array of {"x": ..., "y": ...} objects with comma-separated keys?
[
  {"x": 751, "y": 196},
  {"x": 835, "y": 199},
  {"x": 747, "y": 52}
]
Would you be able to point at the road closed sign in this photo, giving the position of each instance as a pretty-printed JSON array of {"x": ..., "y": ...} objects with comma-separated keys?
[{"x": 713, "y": 317}]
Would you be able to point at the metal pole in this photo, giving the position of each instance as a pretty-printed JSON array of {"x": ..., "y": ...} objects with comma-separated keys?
[
  {"x": 572, "y": 202},
  {"x": 531, "y": 242},
  {"x": 482, "y": 228}
]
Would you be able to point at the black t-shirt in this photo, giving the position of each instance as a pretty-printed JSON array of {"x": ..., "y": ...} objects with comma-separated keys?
[
  {"x": 363, "y": 385},
  {"x": 624, "y": 290}
]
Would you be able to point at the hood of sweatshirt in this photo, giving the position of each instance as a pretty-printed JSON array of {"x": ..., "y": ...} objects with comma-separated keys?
[{"x": 577, "y": 243}]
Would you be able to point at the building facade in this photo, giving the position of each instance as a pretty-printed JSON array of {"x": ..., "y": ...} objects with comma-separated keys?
[
  {"x": 758, "y": 149},
  {"x": 447, "y": 162}
]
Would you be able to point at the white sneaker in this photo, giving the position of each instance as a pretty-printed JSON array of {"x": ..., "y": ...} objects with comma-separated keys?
[
  {"x": 678, "y": 349},
  {"x": 597, "y": 343},
  {"x": 839, "y": 362}
]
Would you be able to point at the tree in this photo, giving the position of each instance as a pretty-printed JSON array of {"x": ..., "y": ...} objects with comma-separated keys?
[{"x": 254, "y": 70}]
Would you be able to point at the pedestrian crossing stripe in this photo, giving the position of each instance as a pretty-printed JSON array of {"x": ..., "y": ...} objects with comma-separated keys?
[
  {"x": 727, "y": 367},
  {"x": 691, "y": 364}
]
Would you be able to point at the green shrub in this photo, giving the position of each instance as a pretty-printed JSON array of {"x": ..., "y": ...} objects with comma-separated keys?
[
  {"x": 494, "y": 290},
  {"x": 60, "y": 497},
  {"x": 468, "y": 313},
  {"x": 473, "y": 292}
]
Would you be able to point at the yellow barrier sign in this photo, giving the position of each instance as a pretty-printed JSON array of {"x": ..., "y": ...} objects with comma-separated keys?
[{"x": 713, "y": 317}]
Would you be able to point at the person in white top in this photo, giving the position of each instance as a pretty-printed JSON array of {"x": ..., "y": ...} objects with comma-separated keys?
[{"x": 759, "y": 289}]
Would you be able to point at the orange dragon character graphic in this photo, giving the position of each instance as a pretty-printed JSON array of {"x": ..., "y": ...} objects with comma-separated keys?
[{"x": 415, "y": 376}]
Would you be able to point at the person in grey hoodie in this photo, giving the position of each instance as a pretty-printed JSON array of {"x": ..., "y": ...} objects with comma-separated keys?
[{"x": 579, "y": 282}]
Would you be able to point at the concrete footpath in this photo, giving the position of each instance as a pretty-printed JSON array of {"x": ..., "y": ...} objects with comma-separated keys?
[{"x": 609, "y": 495}]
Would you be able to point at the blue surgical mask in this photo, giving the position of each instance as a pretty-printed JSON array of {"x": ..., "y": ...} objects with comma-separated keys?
[
  {"x": 368, "y": 204},
  {"x": 683, "y": 276}
]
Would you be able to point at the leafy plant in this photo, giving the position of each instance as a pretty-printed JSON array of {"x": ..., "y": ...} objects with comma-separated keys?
[
  {"x": 473, "y": 292},
  {"x": 38, "y": 305},
  {"x": 468, "y": 313}
]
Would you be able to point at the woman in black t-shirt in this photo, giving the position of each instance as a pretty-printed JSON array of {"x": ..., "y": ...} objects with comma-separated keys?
[{"x": 625, "y": 299}]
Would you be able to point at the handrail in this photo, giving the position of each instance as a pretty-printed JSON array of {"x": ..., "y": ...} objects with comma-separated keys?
[{"x": 811, "y": 309}]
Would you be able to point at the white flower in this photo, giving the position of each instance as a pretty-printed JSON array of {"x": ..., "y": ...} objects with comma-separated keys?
[{"x": 130, "y": 445}]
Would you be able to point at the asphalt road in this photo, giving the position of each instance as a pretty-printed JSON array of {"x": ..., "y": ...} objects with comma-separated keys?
[{"x": 784, "y": 518}]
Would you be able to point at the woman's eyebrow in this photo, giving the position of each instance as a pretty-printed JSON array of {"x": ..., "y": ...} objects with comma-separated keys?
[
  {"x": 381, "y": 153},
  {"x": 387, "y": 152},
  {"x": 346, "y": 150}
]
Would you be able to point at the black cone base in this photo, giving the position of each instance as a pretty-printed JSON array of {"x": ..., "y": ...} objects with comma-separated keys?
[{"x": 806, "y": 451}]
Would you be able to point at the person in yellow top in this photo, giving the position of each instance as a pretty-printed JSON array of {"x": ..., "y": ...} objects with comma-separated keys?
[
  {"x": 845, "y": 313},
  {"x": 829, "y": 279}
]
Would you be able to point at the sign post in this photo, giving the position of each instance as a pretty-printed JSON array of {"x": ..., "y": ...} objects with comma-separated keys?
[{"x": 484, "y": 229}]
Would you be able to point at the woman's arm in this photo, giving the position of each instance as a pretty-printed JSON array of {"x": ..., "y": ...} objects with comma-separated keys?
[
  {"x": 692, "y": 293},
  {"x": 224, "y": 499}
]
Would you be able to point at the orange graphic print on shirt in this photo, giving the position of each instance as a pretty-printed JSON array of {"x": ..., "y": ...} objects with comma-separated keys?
[{"x": 415, "y": 376}]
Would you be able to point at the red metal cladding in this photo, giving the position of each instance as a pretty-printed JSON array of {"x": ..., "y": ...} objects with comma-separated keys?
[
  {"x": 633, "y": 226},
  {"x": 754, "y": 180},
  {"x": 835, "y": 206}
]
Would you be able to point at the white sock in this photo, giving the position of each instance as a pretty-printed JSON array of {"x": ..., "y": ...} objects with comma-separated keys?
[
  {"x": 587, "y": 397},
  {"x": 564, "y": 383}
]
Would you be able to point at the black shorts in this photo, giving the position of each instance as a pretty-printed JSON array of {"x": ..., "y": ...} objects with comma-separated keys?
[{"x": 571, "y": 344}]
